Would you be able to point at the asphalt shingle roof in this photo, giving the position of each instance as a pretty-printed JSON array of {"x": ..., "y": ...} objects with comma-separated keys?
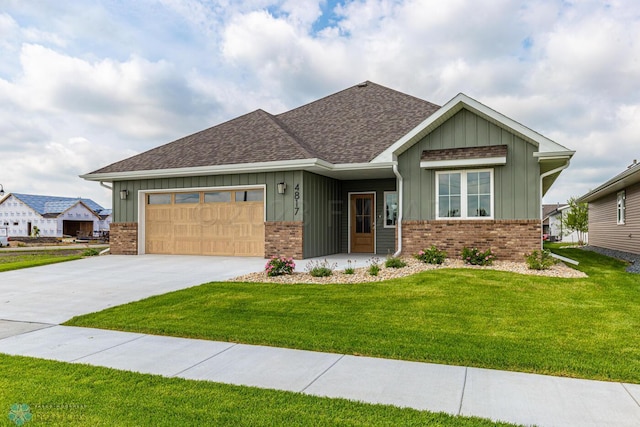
[
  {"x": 51, "y": 205},
  {"x": 350, "y": 126}
]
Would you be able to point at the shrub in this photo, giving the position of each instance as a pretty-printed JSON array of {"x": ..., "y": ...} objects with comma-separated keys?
[
  {"x": 320, "y": 268},
  {"x": 540, "y": 260},
  {"x": 374, "y": 267},
  {"x": 475, "y": 257},
  {"x": 277, "y": 266},
  {"x": 394, "y": 262},
  {"x": 351, "y": 268},
  {"x": 431, "y": 255},
  {"x": 91, "y": 252}
]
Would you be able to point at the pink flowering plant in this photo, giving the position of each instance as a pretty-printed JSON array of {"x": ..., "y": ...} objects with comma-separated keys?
[
  {"x": 431, "y": 255},
  {"x": 474, "y": 256},
  {"x": 277, "y": 266}
]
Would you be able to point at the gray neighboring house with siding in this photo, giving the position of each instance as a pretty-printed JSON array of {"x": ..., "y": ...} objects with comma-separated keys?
[
  {"x": 614, "y": 212},
  {"x": 365, "y": 170}
]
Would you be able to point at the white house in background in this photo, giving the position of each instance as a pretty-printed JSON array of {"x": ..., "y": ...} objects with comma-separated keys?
[
  {"x": 54, "y": 216},
  {"x": 556, "y": 230}
]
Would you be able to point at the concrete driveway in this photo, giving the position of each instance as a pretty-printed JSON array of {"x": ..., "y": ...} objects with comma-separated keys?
[{"x": 55, "y": 293}]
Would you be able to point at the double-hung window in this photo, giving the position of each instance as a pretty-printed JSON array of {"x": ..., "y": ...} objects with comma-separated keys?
[
  {"x": 464, "y": 194},
  {"x": 621, "y": 207}
]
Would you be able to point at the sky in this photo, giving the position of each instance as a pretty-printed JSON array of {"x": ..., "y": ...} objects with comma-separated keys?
[{"x": 86, "y": 83}]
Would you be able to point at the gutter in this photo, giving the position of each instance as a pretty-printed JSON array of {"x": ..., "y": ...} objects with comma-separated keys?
[
  {"x": 542, "y": 177},
  {"x": 400, "y": 199}
]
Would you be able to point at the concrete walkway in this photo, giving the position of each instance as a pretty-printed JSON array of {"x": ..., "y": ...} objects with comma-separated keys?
[
  {"x": 34, "y": 301},
  {"x": 506, "y": 396}
]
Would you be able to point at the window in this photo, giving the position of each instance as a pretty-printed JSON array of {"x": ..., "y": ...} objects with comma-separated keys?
[
  {"x": 218, "y": 196},
  {"x": 187, "y": 198},
  {"x": 249, "y": 196},
  {"x": 621, "y": 207},
  {"x": 390, "y": 209},
  {"x": 464, "y": 194},
  {"x": 159, "y": 199}
]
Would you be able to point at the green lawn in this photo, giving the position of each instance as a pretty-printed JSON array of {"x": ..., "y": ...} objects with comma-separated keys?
[
  {"x": 14, "y": 260},
  {"x": 585, "y": 328},
  {"x": 62, "y": 394}
]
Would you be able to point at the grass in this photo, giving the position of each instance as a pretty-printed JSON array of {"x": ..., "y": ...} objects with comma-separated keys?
[
  {"x": 70, "y": 394},
  {"x": 585, "y": 328},
  {"x": 14, "y": 260}
]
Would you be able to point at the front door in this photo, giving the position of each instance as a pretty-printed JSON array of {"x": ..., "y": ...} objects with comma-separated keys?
[{"x": 362, "y": 223}]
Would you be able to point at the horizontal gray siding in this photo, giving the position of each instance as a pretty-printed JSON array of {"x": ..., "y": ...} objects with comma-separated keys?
[
  {"x": 385, "y": 237},
  {"x": 278, "y": 207},
  {"x": 322, "y": 215},
  {"x": 603, "y": 229},
  {"x": 517, "y": 184}
]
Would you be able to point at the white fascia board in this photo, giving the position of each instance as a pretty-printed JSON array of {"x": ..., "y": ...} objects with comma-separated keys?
[
  {"x": 207, "y": 170},
  {"x": 438, "y": 164},
  {"x": 460, "y": 101},
  {"x": 555, "y": 155}
]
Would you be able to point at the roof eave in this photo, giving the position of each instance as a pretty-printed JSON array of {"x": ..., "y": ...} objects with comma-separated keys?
[
  {"x": 315, "y": 165},
  {"x": 617, "y": 183}
]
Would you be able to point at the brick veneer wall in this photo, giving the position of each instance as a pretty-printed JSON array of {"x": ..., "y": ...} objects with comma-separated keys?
[
  {"x": 123, "y": 238},
  {"x": 509, "y": 240},
  {"x": 283, "y": 239}
]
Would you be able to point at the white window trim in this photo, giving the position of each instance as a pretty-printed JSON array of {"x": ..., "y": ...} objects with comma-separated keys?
[
  {"x": 463, "y": 195},
  {"x": 384, "y": 207},
  {"x": 621, "y": 207}
]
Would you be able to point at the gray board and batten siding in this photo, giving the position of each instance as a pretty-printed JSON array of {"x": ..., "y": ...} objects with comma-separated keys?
[
  {"x": 517, "y": 183},
  {"x": 605, "y": 232}
]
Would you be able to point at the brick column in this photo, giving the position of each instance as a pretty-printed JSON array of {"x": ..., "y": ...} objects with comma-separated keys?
[
  {"x": 123, "y": 238},
  {"x": 283, "y": 238}
]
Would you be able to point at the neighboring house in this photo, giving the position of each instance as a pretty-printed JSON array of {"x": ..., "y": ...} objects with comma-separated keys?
[
  {"x": 553, "y": 225},
  {"x": 365, "y": 170},
  {"x": 614, "y": 212},
  {"x": 54, "y": 216}
]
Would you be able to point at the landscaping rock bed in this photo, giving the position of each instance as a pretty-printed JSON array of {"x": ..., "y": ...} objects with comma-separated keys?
[{"x": 414, "y": 266}]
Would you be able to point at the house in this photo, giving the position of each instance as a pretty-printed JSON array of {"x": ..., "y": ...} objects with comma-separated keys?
[
  {"x": 553, "y": 226},
  {"x": 614, "y": 212},
  {"x": 365, "y": 170},
  {"x": 53, "y": 216}
]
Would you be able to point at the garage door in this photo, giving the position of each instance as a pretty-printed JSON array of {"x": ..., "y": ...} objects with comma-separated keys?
[{"x": 205, "y": 223}]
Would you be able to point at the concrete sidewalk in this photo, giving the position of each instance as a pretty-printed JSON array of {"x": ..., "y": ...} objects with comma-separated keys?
[{"x": 497, "y": 395}]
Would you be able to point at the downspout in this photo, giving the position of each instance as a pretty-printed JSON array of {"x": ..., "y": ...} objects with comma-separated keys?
[
  {"x": 542, "y": 177},
  {"x": 105, "y": 185},
  {"x": 400, "y": 197}
]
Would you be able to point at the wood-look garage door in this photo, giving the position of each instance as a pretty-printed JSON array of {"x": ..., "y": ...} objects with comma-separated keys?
[{"x": 205, "y": 223}]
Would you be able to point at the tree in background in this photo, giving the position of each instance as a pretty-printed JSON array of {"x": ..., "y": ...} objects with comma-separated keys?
[{"x": 576, "y": 219}]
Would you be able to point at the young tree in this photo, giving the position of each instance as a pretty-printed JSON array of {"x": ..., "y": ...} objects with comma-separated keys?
[{"x": 576, "y": 219}]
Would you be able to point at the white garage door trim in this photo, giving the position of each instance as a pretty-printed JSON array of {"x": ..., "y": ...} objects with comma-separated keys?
[{"x": 142, "y": 201}]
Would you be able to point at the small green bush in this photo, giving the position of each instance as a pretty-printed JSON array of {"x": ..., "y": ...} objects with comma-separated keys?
[
  {"x": 431, "y": 255},
  {"x": 351, "y": 268},
  {"x": 394, "y": 262},
  {"x": 320, "y": 268},
  {"x": 277, "y": 266},
  {"x": 540, "y": 260},
  {"x": 91, "y": 252},
  {"x": 475, "y": 257},
  {"x": 374, "y": 266}
]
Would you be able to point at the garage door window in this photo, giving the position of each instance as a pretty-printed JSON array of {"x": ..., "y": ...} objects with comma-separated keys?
[
  {"x": 187, "y": 197},
  {"x": 217, "y": 197},
  {"x": 159, "y": 199},
  {"x": 249, "y": 196}
]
